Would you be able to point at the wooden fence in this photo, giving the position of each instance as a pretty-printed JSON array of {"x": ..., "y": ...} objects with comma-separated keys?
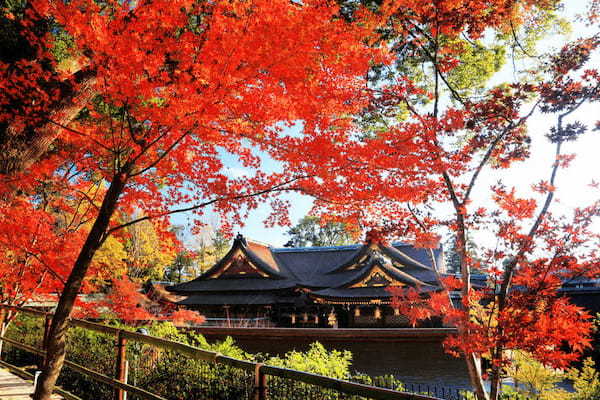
[{"x": 261, "y": 373}]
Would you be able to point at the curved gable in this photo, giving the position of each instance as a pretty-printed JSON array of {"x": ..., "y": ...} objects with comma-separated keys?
[
  {"x": 389, "y": 255},
  {"x": 243, "y": 260},
  {"x": 378, "y": 274},
  {"x": 375, "y": 277},
  {"x": 239, "y": 266}
]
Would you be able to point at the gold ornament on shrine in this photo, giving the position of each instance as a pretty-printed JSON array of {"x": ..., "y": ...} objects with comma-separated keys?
[
  {"x": 377, "y": 313},
  {"x": 331, "y": 318}
]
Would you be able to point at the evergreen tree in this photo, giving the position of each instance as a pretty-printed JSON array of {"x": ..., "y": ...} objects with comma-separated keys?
[{"x": 310, "y": 231}]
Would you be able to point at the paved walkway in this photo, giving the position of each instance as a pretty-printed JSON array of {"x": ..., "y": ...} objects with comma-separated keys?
[{"x": 14, "y": 388}]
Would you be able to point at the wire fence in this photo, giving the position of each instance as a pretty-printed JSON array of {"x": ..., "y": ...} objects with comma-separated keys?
[
  {"x": 282, "y": 388},
  {"x": 106, "y": 362},
  {"x": 443, "y": 392},
  {"x": 154, "y": 370}
]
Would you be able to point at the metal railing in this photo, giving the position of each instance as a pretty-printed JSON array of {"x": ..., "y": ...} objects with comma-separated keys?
[
  {"x": 254, "y": 380},
  {"x": 444, "y": 392}
]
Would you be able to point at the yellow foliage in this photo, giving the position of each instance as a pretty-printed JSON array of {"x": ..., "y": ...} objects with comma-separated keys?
[
  {"x": 534, "y": 380},
  {"x": 141, "y": 254},
  {"x": 148, "y": 253},
  {"x": 110, "y": 260},
  {"x": 586, "y": 381}
]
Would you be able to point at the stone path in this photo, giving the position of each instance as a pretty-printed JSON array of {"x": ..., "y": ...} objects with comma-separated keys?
[{"x": 13, "y": 387}]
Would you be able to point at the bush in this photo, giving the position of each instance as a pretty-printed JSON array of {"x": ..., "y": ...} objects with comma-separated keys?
[
  {"x": 586, "y": 381},
  {"x": 317, "y": 360}
]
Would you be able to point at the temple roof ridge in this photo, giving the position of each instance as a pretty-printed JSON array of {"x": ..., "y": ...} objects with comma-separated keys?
[
  {"x": 316, "y": 248},
  {"x": 248, "y": 240}
]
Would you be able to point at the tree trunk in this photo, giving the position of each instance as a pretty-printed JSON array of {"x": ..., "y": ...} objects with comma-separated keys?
[
  {"x": 55, "y": 355},
  {"x": 19, "y": 150},
  {"x": 473, "y": 362},
  {"x": 3, "y": 326},
  {"x": 495, "y": 383},
  {"x": 474, "y": 370}
]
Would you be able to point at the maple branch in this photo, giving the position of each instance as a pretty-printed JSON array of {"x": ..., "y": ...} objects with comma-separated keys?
[
  {"x": 414, "y": 111},
  {"x": 525, "y": 244},
  {"x": 89, "y": 199},
  {"x": 160, "y": 157},
  {"x": 75, "y": 131},
  {"x": 277, "y": 188},
  {"x": 509, "y": 271},
  {"x": 491, "y": 148},
  {"x": 76, "y": 211},
  {"x": 518, "y": 42},
  {"x": 117, "y": 159},
  {"x": 437, "y": 80},
  {"x": 74, "y": 216},
  {"x": 66, "y": 177},
  {"x": 433, "y": 59},
  {"x": 38, "y": 285},
  {"x": 52, "y": 272}
]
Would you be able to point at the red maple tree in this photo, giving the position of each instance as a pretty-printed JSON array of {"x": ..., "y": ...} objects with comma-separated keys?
[
  {"x": 435, "y": 155},
  {"x": 163, "y": 90}
]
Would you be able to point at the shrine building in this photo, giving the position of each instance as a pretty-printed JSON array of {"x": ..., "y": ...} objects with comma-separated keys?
[{"x": 340, "y": 286}]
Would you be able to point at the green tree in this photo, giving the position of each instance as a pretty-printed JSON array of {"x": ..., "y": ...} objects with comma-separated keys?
[
  {"x": 143, "y": 252},
  {"x": 452, "y": 258},
  {"x": 311, "y": 231},
  {"x": 182, "y": 264},
  {"x": 318, "y": 360},
  {"x": 220, "y": 243}
]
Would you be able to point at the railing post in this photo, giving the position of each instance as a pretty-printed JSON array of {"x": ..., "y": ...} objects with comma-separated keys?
[
  {"x": 260, "y": 383},
  {"x": 121, "y": 369},
  {"x": 126, "y": 380}
]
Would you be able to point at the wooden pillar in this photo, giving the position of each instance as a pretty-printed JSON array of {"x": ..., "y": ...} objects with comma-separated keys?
[
  {"x": 120, "y": 366},
  {"x": 260, "y": 383},
  {"x": 227, "y": 316},
  {"x": 277, "y": 315},
  {"x": 268, "y": 316}
]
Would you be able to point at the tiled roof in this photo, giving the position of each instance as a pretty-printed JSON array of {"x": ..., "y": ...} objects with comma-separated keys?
[
  {"x": 316, "y": 269},
  {"x": 309, "y": 264},
  {"x": 264, "y": 254}
]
